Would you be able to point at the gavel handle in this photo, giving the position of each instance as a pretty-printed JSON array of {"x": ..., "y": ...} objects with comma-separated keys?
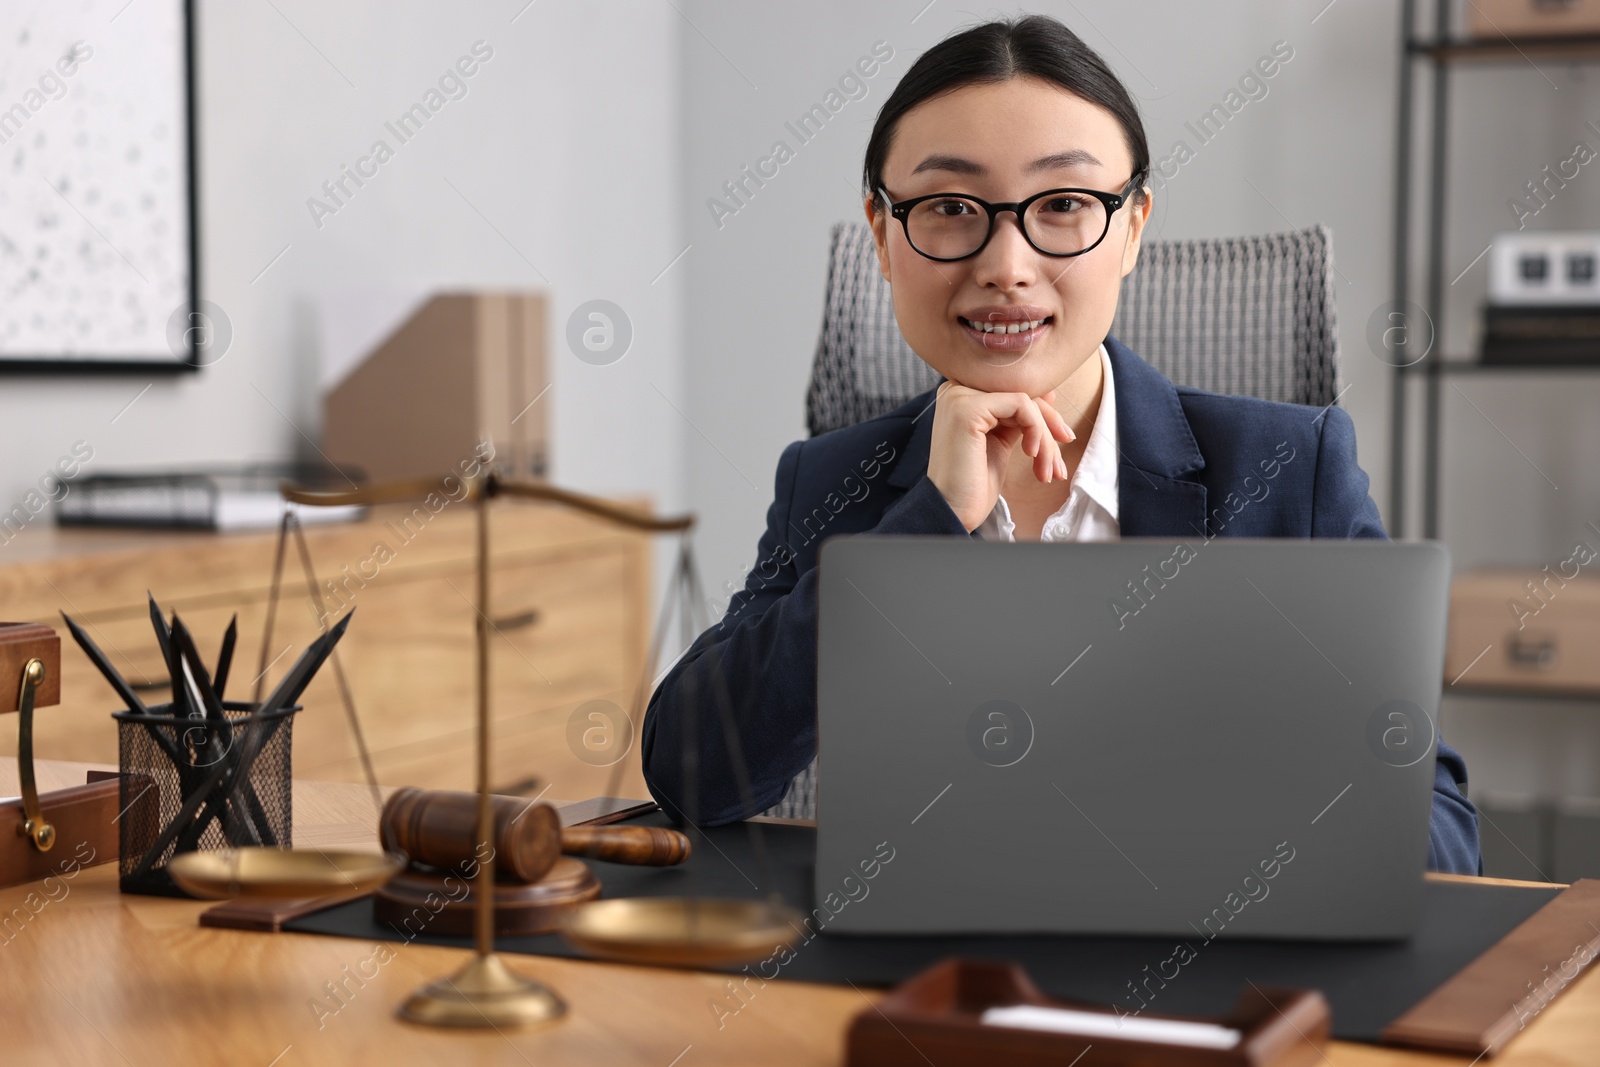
[{"x": 647, "y": 846}]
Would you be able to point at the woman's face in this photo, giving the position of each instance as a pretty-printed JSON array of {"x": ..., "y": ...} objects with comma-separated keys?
[{"x": 1004, "y": 142}]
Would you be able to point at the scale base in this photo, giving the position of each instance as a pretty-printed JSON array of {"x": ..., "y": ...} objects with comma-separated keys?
[
  {"x": 483, "y": 993},
  {"x": 519, "y": 910}
]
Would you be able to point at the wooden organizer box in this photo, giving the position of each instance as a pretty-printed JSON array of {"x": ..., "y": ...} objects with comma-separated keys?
[
  {"x": 69, "y": 821},
  {"x": 569, "y": 600},
  {"x": 936, "y": 1017}
]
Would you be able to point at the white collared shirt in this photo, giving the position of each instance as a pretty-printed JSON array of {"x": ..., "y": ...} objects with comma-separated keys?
[{"x": 1090, "y": 513}]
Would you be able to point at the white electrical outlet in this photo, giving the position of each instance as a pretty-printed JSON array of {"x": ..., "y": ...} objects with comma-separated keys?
[{"x": 1545, "y": 268}]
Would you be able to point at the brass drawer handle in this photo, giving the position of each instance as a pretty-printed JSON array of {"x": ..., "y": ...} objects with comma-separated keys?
[
  {"x": 1536, "y": 652},
  {"x": 516, "y": 622}
]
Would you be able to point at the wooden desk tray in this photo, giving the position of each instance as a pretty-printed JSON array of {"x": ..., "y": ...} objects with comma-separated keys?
[
  {"x": 936, "y": 1017},
  {"x": 85, "y": 818},
  {"x": 20, "y": 642}
]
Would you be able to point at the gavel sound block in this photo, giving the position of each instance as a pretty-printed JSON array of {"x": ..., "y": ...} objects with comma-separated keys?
[{"x": 537, "y": 877}]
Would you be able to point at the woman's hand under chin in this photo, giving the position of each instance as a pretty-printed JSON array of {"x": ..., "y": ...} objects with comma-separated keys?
[{"x": 973, "y": 435}]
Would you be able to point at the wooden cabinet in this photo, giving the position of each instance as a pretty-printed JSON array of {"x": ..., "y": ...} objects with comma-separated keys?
[
  {"x": 1525, "y": 630},
  {"x": 569, "y": 604}
]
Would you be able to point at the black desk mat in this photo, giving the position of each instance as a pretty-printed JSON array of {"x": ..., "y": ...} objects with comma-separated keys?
[{"x": 1368, "y": 985}]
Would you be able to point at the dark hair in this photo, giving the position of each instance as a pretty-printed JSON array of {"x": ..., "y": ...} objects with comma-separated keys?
[{"x": 1035, "y": 45}]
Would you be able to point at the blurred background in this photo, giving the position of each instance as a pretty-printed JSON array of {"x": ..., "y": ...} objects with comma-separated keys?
[{"x": 587, "y": 158}]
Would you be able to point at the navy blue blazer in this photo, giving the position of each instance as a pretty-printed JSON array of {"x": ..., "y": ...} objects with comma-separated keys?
[{"x": 1185, "y": 456}]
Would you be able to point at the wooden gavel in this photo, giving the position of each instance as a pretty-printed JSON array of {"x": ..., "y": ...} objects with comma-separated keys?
[{"x": 440, "y": 828}]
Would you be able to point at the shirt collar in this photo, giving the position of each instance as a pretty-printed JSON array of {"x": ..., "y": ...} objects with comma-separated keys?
[{"x": 1097, "y": 468}]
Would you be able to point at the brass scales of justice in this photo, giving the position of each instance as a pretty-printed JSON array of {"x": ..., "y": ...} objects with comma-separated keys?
[{"x": 485, "y": 992}]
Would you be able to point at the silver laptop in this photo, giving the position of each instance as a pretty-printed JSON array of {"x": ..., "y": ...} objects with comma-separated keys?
[{"x": 1188, "y": 738}]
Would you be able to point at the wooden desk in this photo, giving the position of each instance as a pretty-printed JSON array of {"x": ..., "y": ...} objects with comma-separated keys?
[
  {"x": 96, "y": 977},
  {"x": 570, "y": 600}
]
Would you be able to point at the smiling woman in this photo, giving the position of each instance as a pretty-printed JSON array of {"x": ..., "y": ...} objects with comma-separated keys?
[{"x": 1005, "y": 182}]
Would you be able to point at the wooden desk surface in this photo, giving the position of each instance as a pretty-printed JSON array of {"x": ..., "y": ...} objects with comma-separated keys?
[{"x": 90, "y": 976}]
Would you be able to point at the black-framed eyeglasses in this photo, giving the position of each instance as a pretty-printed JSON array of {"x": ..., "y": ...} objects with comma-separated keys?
[{"x": 1056, "y": 222}]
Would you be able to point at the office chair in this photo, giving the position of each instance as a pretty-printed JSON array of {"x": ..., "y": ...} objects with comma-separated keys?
[{"x": 1251, "y": 316}]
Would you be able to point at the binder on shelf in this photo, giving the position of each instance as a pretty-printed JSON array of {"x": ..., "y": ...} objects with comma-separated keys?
[
  {"x": 1533, "y": 335},
  {"x": 243, "y": 498}
]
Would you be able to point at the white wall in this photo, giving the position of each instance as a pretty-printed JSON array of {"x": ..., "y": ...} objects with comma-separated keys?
[
  {"x": 566, "y": 140},
  {"x": 1319, "y": 147}
]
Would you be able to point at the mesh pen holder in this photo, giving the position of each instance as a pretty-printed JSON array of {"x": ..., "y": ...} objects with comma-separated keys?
[{"x": 168, "y": 760}]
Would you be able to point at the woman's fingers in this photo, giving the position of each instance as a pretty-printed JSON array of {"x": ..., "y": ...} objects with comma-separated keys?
[
  {"x": 1053, "y": 418},
  {"x": 975, "y": 433},
  {"x": 1041, "y": 427},
  {"x": 1036, "y": 435},
  {"x": 1006, "y": 436},
  {"x": 1059, "y": 431},
  {"x": 1045, "y": 451},
  {"x": 1042, "y": 445}
]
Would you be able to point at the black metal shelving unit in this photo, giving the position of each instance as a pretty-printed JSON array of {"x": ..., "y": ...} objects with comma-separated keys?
[{"x": 1437, "y": 52}]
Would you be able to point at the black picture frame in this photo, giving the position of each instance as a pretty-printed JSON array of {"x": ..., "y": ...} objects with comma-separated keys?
[{"x": 172, "y": 365}]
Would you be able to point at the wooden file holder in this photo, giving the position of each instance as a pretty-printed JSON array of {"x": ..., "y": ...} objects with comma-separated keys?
[
  {"x": 936, "y": 1017},
  {"x": 40, "y": 835}
]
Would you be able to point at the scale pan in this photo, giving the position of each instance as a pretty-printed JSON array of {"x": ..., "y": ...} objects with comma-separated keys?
[
  {"x": 686, "y": 931},
  {"x": 280, "y": 872}
]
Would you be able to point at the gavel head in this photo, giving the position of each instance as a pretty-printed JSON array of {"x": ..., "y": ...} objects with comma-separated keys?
[{"x": 438, "y": 828}]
